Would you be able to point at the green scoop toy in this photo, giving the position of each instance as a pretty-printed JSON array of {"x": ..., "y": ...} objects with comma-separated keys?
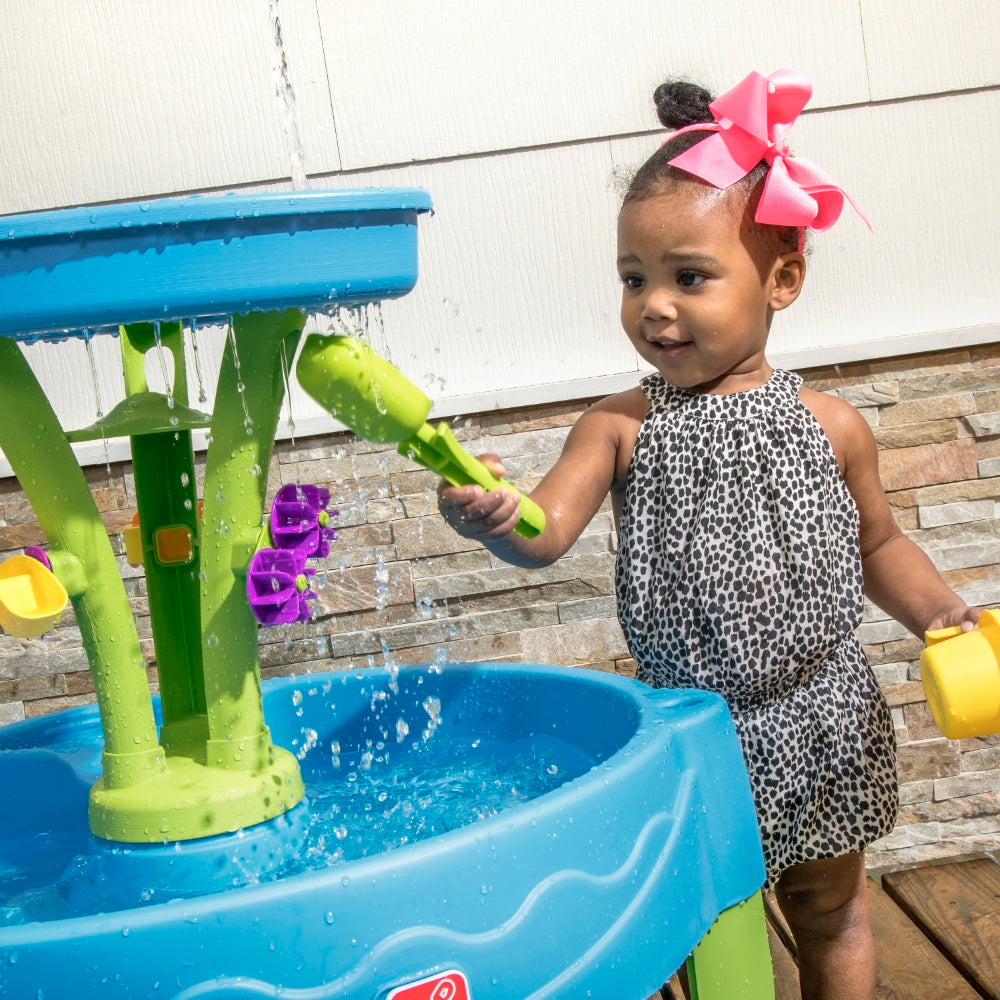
[{"x": 377, "y": 402}]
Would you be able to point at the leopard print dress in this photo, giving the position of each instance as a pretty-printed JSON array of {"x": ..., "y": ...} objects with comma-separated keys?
[{"x": 739, "y": 571}]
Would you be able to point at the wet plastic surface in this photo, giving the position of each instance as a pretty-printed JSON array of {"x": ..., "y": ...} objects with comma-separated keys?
[
  {"x": 94, "y": 268},
  {"x": 597, "y": 888}
]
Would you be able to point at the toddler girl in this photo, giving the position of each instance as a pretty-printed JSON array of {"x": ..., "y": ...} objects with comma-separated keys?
[{"x": 750, "y": 515}]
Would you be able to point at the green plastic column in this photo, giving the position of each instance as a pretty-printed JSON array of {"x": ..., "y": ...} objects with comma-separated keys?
[
  {"x": 733, "y": 960},
  {"x": 163, "y": 466},
  {"x": 247, "y": 405},
  {"x": 160, "y": 462},
  {"x": 82, "y": 557}
]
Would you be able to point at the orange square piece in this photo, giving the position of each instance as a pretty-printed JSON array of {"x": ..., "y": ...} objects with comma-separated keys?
[{"x": 173, "y": 545}]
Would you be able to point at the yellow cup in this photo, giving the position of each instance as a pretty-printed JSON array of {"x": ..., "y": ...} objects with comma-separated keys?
[
  {"x": 31, "y": 598},
  {"x": 961, "y": 675}
]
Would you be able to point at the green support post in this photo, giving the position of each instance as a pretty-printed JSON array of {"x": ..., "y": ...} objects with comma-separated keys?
[
  {"x": 82, "y": 557},
  {"x": 733, "y": 960},
  {"x": 247, "y": 405},
  {"x": 163, "y": 468}
]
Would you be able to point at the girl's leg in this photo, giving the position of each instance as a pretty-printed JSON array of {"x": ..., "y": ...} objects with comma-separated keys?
[{"x": 826, "y": 906}]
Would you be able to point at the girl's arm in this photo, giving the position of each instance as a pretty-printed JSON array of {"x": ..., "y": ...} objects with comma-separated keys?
[
  {"x": 899, "y": 577},
  {"x": 596, "y": 453}
]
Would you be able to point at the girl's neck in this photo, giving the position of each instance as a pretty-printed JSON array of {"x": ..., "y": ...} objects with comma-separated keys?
[{"x": 735, "y": 382}]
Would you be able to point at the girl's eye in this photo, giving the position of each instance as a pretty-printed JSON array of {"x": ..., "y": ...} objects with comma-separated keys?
[
  {"x": 632, "y": 281},
  {"x": 690, "y": 279}
]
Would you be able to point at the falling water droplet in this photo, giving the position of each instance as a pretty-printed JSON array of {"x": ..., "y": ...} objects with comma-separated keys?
[
  {"x": 240, "y": 387},
  {"x": 193, "y": 328},
  {"x": 167, "y": 384},
  {"x": 93, "y": 374}
]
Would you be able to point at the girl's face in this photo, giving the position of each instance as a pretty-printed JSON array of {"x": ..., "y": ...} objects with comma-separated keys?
[{"x": 697, "y": 296}]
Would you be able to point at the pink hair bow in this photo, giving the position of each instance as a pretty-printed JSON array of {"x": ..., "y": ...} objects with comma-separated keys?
[{"x": 751, "y": 122}]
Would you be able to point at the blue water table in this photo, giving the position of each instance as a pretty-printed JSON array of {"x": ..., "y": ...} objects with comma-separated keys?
[{"x": 339, "y": 835}]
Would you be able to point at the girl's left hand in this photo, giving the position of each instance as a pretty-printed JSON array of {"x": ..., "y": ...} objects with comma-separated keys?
[
  {"x": 960, "y": 615},
  {"x": 477, "y": 514}
]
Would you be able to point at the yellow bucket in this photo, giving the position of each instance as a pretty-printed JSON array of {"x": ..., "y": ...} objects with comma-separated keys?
[
  {"x": 31, "y": 598},
  {"x": 961, "y": 675}
]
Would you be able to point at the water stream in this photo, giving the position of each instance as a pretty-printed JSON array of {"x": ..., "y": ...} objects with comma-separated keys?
[
  {"x": 240, "y": 385},
  {"x": 285, "y": 94},
  {"x": 196, "y": 355},
  {"x": 168, "y": 386}
]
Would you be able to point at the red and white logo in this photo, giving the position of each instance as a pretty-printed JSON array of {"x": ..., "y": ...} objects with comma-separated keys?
[{"x": 445, "y": 986}]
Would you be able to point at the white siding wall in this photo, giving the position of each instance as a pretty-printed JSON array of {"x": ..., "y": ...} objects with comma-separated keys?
[{"x": 515, "y": 117}]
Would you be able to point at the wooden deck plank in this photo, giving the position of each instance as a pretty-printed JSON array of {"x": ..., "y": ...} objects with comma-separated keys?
[
  {"x": 671, "y": 990},
  {"x": 958, "y": 906},
  {"x": 909, "y": 967},
  {"x": 676, "y": 991}
]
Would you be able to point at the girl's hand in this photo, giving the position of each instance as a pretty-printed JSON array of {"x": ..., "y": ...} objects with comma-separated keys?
[
  {"x": 961, "y": 615},
  {"x": 476, "y": 514}
]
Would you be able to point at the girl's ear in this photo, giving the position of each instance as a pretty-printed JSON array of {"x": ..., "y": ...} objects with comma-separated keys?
[{"x": 787, "y": 276}]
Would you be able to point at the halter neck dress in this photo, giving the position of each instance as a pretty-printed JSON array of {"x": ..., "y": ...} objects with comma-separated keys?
[{"x": 739, "y": 572}]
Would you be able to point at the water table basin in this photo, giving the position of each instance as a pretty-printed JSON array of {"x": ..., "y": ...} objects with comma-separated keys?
[{"x": 486, "y": 830}]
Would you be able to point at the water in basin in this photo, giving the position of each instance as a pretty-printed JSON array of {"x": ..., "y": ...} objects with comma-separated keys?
[{"x": 395, "y": 772}]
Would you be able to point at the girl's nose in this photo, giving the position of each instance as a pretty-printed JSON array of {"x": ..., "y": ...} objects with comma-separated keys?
[{"x": 659, "y": 304}]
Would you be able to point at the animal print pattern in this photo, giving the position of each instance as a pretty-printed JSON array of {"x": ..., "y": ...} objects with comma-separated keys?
[{"x": 739, "y": 571}]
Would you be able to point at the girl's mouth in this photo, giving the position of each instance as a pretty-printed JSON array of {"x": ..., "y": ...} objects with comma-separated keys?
[{"x": 669, "y": 348}]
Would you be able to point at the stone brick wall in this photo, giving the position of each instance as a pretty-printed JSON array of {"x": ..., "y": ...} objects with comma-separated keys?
[{"x": 398, "y": 584}]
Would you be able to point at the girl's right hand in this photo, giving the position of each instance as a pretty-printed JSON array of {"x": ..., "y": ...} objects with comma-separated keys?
[{"x": 475, "y": 513}]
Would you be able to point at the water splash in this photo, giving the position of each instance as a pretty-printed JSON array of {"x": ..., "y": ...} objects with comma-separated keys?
[
  {"x": 440, "y": 658},
  {"x": 381, "y": 798},
  {"x": 381, "y": 584},
  {"x": 432, "y": 706},
  {"x": 363, "y": 322},
  {"x": 308, "y": 743}
]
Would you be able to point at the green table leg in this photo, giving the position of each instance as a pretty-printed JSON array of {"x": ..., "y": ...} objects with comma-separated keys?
[
  {"x": 82, "y": 558},
  {"x": 163, "y": 469},
  {"x": 733, "y": 960}
]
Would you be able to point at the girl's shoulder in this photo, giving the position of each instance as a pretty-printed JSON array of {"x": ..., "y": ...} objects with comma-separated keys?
[
  {"x": 619, "y": 417},
  {"x": 630, "y": 405},
  {"x": 612, "y": 426},
  {"x": 845, "y": 427}
]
